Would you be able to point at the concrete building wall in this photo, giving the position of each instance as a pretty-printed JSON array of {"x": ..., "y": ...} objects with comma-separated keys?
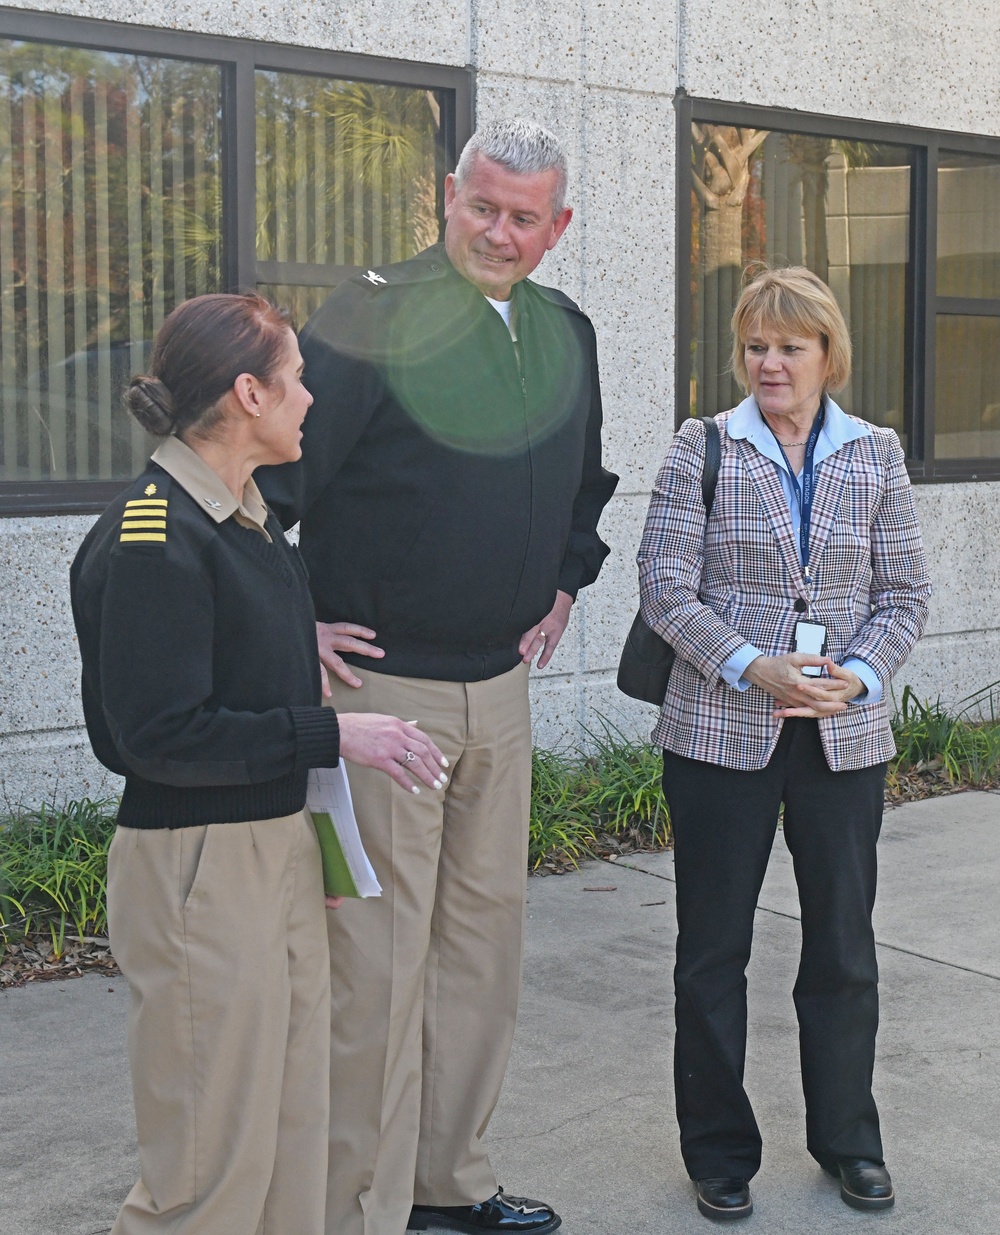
[{"x": 603, "y": 75}]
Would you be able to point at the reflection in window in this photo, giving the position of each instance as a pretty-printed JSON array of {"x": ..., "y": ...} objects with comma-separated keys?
[
  {"x": 346, "y": 171},
  {"x": 842, "y": 209},
  {"x": 967, "y": 421},
  {"x": 301, "y": 302},
  {"x": 968, "y": 239},
  {"x": 110, "y": 213}
]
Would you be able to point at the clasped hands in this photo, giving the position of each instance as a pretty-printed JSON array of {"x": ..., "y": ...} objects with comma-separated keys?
[{"x": 799, "y": 695}]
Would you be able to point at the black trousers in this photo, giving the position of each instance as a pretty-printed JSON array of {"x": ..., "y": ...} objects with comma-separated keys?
[{"x": 724, "y": 823}]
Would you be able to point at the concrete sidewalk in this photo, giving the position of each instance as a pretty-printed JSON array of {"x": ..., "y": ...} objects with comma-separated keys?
[{"x": 585, "y": 1120}]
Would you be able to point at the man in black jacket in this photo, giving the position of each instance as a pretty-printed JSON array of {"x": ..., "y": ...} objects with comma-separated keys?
[{"x": 449, "y": 495}]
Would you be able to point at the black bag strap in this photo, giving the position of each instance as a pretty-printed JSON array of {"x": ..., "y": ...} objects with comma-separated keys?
[{"x": 713, "y": 461}]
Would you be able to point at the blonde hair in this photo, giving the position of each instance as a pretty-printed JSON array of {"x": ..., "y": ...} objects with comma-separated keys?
[{"x": 792, "y": 301}]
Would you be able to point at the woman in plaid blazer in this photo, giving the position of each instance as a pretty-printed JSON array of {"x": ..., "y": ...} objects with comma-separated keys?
[{"x": 812, "y": 533}]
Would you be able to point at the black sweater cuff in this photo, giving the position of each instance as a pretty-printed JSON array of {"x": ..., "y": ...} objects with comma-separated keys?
[{"x": 317, "y": 737}]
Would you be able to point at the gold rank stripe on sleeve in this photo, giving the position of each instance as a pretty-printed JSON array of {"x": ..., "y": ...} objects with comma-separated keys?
[{"x": 145, "y": 520}]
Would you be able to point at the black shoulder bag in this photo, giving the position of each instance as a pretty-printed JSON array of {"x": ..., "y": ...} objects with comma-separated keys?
[{"x": 646, "y": 660}]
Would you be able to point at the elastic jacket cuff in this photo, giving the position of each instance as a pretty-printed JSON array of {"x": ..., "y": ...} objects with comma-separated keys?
[{"x": 317, "y": 737}]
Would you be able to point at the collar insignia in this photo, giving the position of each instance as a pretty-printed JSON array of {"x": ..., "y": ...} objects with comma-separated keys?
[
  {"x": 372, "y": 277},
  {"x": 214, "y": 504}
]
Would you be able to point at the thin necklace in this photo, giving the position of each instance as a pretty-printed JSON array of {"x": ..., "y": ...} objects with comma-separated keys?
[{"x": 781, "y": 443}]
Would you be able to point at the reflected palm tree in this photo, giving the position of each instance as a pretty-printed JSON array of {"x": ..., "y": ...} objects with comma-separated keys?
[{"x": 347, "y": 172}]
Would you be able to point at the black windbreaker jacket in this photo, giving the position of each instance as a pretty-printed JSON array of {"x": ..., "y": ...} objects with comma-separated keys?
[{"x": 451, "y": 480}]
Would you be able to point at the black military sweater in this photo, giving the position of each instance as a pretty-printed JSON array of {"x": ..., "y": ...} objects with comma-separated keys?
[
  {"x": 200, "y": 671},
  {"x": 451, "y": 479}
]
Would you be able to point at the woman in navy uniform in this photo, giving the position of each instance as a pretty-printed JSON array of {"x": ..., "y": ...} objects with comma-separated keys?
[{"x": 202, "y": 688}]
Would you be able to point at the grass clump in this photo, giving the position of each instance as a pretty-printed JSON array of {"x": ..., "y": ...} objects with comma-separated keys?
[
  {"x": 53, "y": 872},
  {"x": 605, "y": 800},
  {"x": 960, "y": 748},
  {"x": 559, "y": 825}
]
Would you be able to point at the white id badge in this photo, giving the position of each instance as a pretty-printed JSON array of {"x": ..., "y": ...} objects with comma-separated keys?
[{"x": 811, "y": 637}]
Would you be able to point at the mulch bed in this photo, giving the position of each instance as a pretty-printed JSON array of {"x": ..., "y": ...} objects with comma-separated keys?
[
  {"x": 925, "y": 780},
  {"x": 32, "y": 959}
]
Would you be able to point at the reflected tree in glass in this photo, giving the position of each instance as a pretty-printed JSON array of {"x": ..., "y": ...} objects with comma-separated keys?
[
  {"x": 347, "y": 172},
  {"x": 841, "y": 209},
  {"x": 109, "y": 215},
  {"x": 967, "y": 403}
]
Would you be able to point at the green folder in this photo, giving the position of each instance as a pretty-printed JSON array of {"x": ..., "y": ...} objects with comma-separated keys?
[
  {"x": 346, "y": 868},
  {"x": 337, "y": 877}
]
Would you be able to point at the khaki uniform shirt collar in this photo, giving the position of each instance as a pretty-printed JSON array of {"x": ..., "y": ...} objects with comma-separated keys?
[{"x": 207, "y": 488}]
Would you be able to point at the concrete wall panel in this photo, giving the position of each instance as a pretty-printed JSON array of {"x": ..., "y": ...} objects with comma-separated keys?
[
  {"x": 629, "y": 273},
  {"x": 605, "y": 707},
  {"x": 955, "y": 521},
  {"x": 594, "y": 43},
  {"x": 555, "y": 712},
  {"x": 611, "y": 602},
  {"x": 930, "y": 64},
  {"x": 533, "y": 40},
  {"x": 953, "y": 667},
  {"x": 39, "y": 665},
  {"x": 630, "y": 45},
  {"x": 56, "y": 766},
  {"x": 435, "y": 31}
]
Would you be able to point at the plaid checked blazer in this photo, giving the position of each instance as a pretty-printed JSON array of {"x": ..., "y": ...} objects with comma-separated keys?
[{"x": 711, "y": 586}]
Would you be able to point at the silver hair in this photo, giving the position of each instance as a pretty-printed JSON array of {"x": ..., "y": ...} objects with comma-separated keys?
[{"x": 520, "y": 146}]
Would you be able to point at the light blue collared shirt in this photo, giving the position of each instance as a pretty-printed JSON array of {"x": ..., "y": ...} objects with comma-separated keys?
[{"x": 838, "y": 429}]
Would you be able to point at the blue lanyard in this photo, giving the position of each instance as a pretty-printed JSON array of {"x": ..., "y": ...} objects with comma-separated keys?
[{"x": 804, "y": 491}]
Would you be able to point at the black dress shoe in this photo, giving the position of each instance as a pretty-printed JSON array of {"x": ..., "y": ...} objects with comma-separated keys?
[
  {"x": 724, "y": 1199},
  {"x": 864, "y": 1184},
  {"x": 499, "y": 1213}
]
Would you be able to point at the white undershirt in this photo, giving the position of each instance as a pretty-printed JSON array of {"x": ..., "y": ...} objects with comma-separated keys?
[{"x": 503, "y": 307}]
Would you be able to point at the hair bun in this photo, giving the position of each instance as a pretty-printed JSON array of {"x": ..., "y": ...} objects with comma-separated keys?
[{"x": 152, "y": 404}]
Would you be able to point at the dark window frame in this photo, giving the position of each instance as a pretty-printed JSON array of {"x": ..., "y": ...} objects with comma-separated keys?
[
  {"x": 923, "y": 304},
  {"x": 238, "y": 60}
]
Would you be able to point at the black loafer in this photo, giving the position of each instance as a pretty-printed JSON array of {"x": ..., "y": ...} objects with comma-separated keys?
[
  {"x": 499, "y": 1213},
  {"x": 864, "y": 1184},
  {"x": 724, "y": 1199}
]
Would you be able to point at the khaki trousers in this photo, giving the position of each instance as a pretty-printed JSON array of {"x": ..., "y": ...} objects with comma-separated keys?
[
  {"x": 426, "y": 978},
  {"x": 221, "y": 933}
]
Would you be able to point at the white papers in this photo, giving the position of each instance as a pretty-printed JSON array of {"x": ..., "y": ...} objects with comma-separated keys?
[{"x": 346, "y": 868}]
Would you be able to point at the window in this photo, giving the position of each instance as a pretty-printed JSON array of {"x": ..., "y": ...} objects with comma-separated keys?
[
  {"x": 109, "y": 215},
  {"x": 967, "y": 379},
  {"x": 903, "y": 224},
  {"x": 138, "y": 168}
]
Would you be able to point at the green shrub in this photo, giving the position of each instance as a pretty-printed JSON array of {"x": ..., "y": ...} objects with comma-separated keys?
[
  {"x": 625, "y": 791},
  {"x": 53, "y": 862},
  {"x": 53, "y": 871},
  {"x": 608, "y": 797},
  {"x": 560, "y": 823},
  {"x": 964, "y": 744}
]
